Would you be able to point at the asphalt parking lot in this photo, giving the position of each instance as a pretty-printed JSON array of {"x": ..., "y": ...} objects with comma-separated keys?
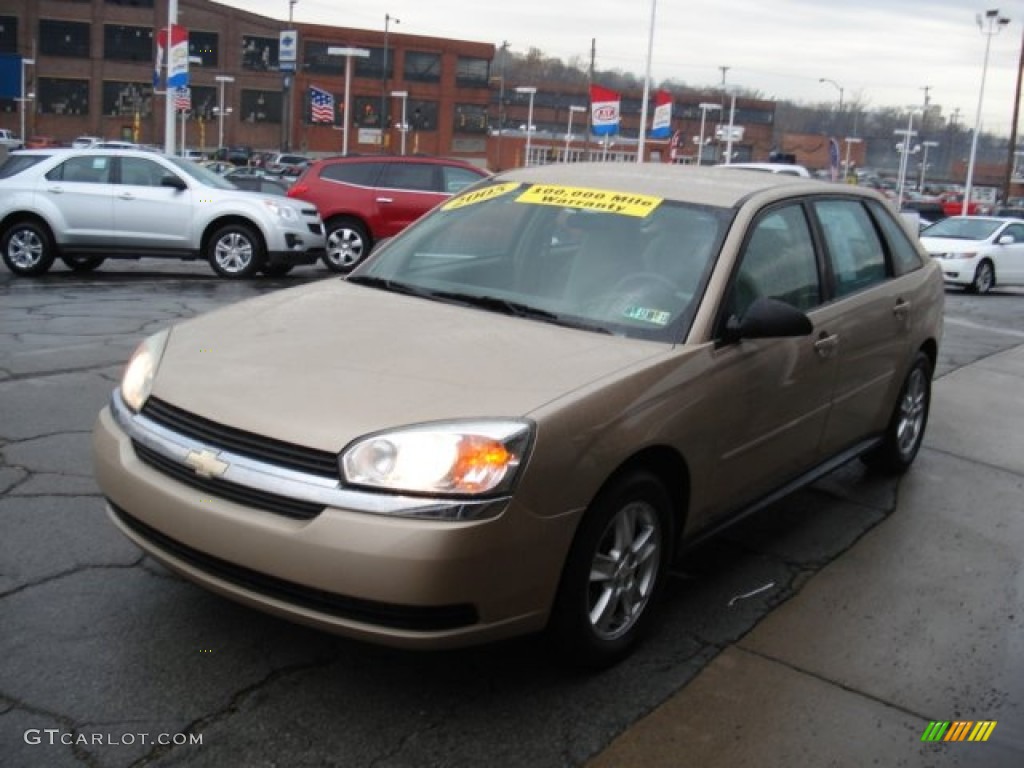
[{"x": 108, "y": 660}]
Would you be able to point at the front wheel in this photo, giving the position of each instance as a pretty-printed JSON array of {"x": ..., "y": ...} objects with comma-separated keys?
[
  {"x": 614, "y": 572},
  {"x": 28, "y": 248},
  {"x": 235, "y": 251},
  {"x": 984, "y": 278},
  {"x": 83, "y": 263},
  {"x": 347, "y": 244},
  {"x": 905, "y": 432}
]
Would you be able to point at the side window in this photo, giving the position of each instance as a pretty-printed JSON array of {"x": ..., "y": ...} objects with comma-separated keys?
[
  {"x": 778, "y": 262},
  {"x": 361, "y": 174},
  {"x": 89, "y": 169},
  {"x": 457, "y": 179},
  {"x": 856, "y": 253},
  {"x": 141, "y": 172},
  {"x": 905, "y": 257},
  {"x": 415, "y": 176},
  {"x": 1017, "y": 230}
]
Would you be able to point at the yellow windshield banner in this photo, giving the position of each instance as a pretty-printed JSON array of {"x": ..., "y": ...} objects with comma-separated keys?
[
  {"x": 590, "y": 199},
  {"x": 479, "y": 196}
]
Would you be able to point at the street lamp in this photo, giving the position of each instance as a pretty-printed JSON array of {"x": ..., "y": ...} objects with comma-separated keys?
[
  {"x": 904, "y": 149},
  {"x": 348, "y": 53},
  {"x": 839, "y": 114},
  {"x": 924, "y": 162},
  {"x": 404, "y": 96},
  {"x": 24, "y": 100},
  {"x": 846, "y": 162},
  {"x": 568, "y": 130},
  {"x": 732, "y": 130},
  {"x": 388, "y": 18},
  {"x": 531, "y": 92},
  {"x": 221, "y": 80},
  {"x": 995, "y": 25},
  {"x": 705, "y": 107}
]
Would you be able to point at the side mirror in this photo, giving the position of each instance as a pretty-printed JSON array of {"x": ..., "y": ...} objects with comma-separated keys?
[
  {"x": 170, "y": 180},
  {"x": 1006, "y": 240},
  {"x": 768, "y": 319}
]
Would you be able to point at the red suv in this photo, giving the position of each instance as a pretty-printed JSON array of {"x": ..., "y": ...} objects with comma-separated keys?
[{"x": 364, "y": 199}]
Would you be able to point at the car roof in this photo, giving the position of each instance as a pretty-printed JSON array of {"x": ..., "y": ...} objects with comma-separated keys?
[{"x": 709, "y": 185}]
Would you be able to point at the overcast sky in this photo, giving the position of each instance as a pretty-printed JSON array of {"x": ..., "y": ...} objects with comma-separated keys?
[{"x": 881, "y": 52}]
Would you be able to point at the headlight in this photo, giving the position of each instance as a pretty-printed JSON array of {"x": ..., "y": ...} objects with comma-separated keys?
[
  {"x": 285, "y": 212},
  {"x": 452, "y": 458},
  {"x": 137, "y": 381}
]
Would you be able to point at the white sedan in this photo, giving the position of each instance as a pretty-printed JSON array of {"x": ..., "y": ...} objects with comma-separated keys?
[{"x": 978, "y": 252}]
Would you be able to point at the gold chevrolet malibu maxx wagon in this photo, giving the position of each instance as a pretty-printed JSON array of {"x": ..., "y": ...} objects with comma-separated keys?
[{"x": 513, "y": 415}]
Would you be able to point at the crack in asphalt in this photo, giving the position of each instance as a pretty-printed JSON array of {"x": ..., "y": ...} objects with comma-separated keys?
[{"x": 71, "y": 572}]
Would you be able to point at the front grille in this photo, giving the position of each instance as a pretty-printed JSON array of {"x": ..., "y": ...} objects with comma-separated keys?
[
  {"x": 409, "y": 617},
  {"x": 240, "y": 494},
  {"x": 277, "y": 452}
]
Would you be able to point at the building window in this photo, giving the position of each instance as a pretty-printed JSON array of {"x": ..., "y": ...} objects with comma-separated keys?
[
  {"x": 133, "y": 3},
  {"x": 366, "y": 112},
  {"x": 422, "y": 115},
  {"x": 372, "y": 65},
  {"x": 470, "y": 118},
  {"x": 472, "y": 73},
  {"x": 57, "y": 96},
  {"x": 125, "y": 99},
  {"x": 422, "y": 67},
  {"x": 204, "y": 46},
  {"x": 260, "y": 53},
  {"x": 261, "y": 106},
  {"x": 204, "y": 102},
  {"x": 8, "y": 34},
  {"x": 64, "y": 38},
  {"x": 317, "y": 60},
  {"x": 123, "y": 43}
]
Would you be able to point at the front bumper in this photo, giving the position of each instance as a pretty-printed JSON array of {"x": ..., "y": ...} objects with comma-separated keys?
[{"x": 348, "y": 565}]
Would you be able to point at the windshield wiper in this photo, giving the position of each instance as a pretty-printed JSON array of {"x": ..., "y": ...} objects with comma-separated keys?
[
  {"x": 517, "y": 309},
  {"x": 390, "y": 285}
]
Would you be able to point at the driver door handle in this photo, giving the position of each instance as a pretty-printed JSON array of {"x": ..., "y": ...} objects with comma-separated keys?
[
  {"x": 826, "y": 344},
  {"x": 902, "y": 308}
]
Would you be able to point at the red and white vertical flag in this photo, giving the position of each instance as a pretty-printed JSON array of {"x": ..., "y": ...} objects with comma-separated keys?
[
  {"x": 604, "y": 110},
  {"x": 661, "y": 123}
]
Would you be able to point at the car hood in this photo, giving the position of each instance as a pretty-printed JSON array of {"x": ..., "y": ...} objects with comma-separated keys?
[
  {"x": 951, "y": 244},
  {"x": 325, "y": 363}
]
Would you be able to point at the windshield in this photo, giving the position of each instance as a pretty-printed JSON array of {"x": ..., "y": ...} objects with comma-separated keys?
[
  {"x": 963, "y": 228},
  {"x": 201, "y": 173},
  {"x": 560, "y": 254}
]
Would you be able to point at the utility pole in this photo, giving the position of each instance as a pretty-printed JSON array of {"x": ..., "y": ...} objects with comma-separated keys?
[{"x": 1011, "y": 160}]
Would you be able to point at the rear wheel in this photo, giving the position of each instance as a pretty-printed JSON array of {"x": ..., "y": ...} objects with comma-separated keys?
[
  {"x": 614, "y": 572},
  {"x": 28, "y": 248},
  {"x": 83, "y": 263},
  {"x": 347, "y": 244},
  {"x": 235, "y": 251},
  {"x": 906, "y": 428}
]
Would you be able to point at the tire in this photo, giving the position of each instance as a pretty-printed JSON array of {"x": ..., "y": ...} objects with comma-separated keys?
[
  {"x": 83, "y": 263},
  {"x": 277, "y": 270},
  {"x": 28, "y": 248},
  {"x": 984, "y": 278},
  {"x": 614, "y": 572},
  {"x": 347, "y": 245},
  {"x": 235, "y": 251},
  {"x": 905, "y": 432}
]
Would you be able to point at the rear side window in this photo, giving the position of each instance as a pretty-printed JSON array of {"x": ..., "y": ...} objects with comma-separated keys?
[
  {"x": 362, "y": 174},
  {"x": 856, "y": 253},
  {"x": 905, "y": 257},
  {"x": 416, "y": 176},
  {"x": 15, "y": 164},
  {"x": 457, "y": 179},
  {"x": 88, "y": 169}
]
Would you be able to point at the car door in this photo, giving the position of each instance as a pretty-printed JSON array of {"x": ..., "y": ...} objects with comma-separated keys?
[
  {"x": 874, "y": 297},
  {"x": 147, "y": 215},
  {"x": 405, "y": 191},
  {"x": 80, "y": 190},
  {"x": 1010, "y": 257},
  {"x": 771, "y": 396}
]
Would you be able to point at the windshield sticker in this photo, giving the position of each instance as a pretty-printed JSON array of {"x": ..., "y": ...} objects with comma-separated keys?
[
  {"x": 645, "y": 315},
  {"x": 590, "y": 199},
  {"x": 479, "y": 196}
]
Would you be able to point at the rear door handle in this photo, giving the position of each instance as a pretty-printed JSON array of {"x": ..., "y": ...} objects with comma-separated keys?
[
  {"x": 902, "y": 309},
  {"x": 826, "y": 344},
  {"x": 385, "y": 200}
]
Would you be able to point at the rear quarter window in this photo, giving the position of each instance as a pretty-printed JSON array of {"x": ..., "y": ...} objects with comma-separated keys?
[
  {"x": 905, "y": 257},
  {"x": 362, "y": 174},
  {"x": 15, "y": 164}
]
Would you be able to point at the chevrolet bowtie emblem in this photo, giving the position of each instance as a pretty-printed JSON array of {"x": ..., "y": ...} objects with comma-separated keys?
[{"x": 206, "y": 464}]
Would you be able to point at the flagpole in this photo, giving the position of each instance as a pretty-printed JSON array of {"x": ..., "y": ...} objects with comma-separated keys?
[
  {"x": 172, "y": 19},
  {"x": 647, "y": 85}
]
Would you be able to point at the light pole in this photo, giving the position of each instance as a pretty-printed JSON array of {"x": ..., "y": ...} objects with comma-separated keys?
[
  {"x": 531, "y": 92},
  {"x": 24, "y": 100},
  {"x": 904, "y": 149},
  {"x": 995, "y": 25},
  {"x": 705, "y": 107},
  {"x": 837, "y": 86},
  {"x": 846, "y": 163},
  {"x": 388, "y": 18},
  {"x": 348, "y": 53},
  {"x": 404, "y": 96},
  {"x": 221, "y": 80},
  {"x": 568, "y": 130},
  {"x": 732, "y": 128},
  {"x": 924, "y": 162},
  {"x": 287, "y": 106}
]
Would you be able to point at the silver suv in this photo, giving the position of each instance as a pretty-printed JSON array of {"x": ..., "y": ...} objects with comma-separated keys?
[{"x": 92, "y": 204}]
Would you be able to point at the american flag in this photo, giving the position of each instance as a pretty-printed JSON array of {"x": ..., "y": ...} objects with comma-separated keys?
[
  {"x": 321, "y": 104},
  {"x": 182, "y": 99}
]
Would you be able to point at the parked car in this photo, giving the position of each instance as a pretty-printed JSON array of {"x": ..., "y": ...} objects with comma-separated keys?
[
  {"x": 41, "y": 142},
  {"x": 291, "y": 165},
  {"x": 88, "y": 205},
  {"x": 235, "y": 155},
  {"x": 978, "y": 252},
  {"x": 219, "y": 166},
  {"x": 10, "y": 140},
  {"x": 365, "y": 199},
  {"x": 516, "y": 413},
  {"x": 84, "y": 142},
  {"x": 786, "y": 169},
  {"x": 268, "y": 185}
]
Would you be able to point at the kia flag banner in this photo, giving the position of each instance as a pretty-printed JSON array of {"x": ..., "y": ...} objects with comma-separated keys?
[
  {"x": 321, "y": 105},
  {"x": 604, "y": 111},
  {"x": 177, "y": 73},
  {"x": 661, "y": 124}
]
